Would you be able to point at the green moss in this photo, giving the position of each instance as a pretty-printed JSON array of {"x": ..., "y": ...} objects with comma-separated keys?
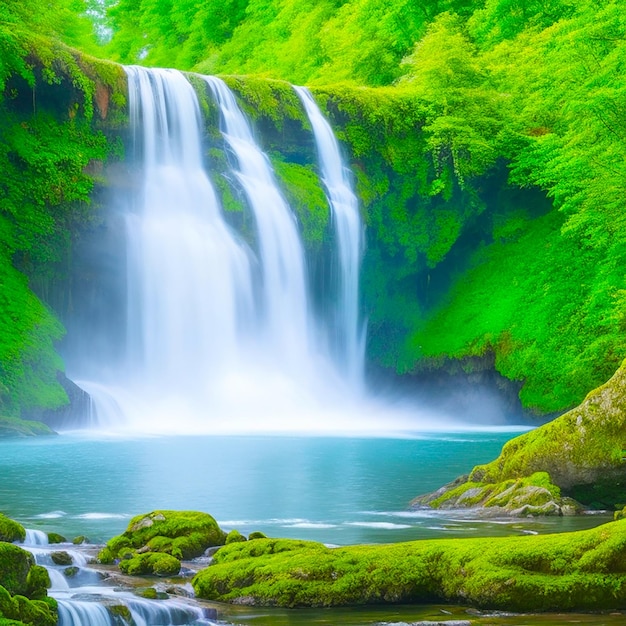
[
  {"x": 261, "y": 97},
  {"x": 61, "y": 558},
  {"x": 306, "y": 197},
  {"x": 581, "y": 447},
  {"x": 581, "y": 570},
  {"x": 56, "y": 538},
  {"x": 24, "y": 588},
  {"x": 182, "y": 534},
  {"x": 15, "y": 427},
  {"x": 257, "y": 534},
  {"x": 79, "y": 540},
  {"x": 234, "y": 536},
  {"x": 149, "y": 564},
  {"x": 10, "y": 530},
  {"x": 532, "y": 495}
]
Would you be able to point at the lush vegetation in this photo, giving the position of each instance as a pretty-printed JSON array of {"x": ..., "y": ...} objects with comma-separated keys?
[
  {"x": 487, "y": 140},
  {"x": 48, "y": 94},
  {"x": 581, "y": 570},
  {"x": 491, "y": 107}
]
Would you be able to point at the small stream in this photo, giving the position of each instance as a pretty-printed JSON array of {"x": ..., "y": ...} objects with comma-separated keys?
[{"x": 89, "y": 596}]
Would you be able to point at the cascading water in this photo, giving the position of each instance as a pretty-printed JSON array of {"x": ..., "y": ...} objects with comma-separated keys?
[
  {"x": 220, "y": 332},
  {"x": 285, "y": 297},
  {"x": 189, "y": 279},
  {"x": 348, "y": 334},
  {"x": 84, "y": 600}
]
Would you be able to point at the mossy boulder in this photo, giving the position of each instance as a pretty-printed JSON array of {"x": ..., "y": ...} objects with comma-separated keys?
[
  {"x": 15, "y": 427},
  {"x": 10, "y": 530},
  {"x": 61, "y": 558},
  {"x": 23, "y": 590},
  {"x": 56, "y": 538},
  {"x": 151, "y": 564},
  {"x": 584, "y": 446},
  {"x": 234, "y": 536},
  {"x": 257, "y": 534},
  {"x": 534, "y": 496},
  {"x": 15, "y": 566},
  {"x": 181, "y": 534},
  {"x": 580, "y": 455},
  {"x": 583, "y": 570}
]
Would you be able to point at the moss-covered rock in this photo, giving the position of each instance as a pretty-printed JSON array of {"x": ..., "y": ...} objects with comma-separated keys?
[
  {"x": 10, "y": 530},
  {"x": 79, "y": 540},
  {"x": 23, "y": 590},
  {"x": 234, "y": 536},
  {"x": 15, "y": 565},
  {"x": 584, "y": 446},
  {"x": 15, "y": 427},
  {"x": 257, "y": 534},
  {"x": 580, "y": 570},
  {"x": 151, "y": 564},
  {"x": 181, "y": 534},
  {"x": 535, "y": 495},
  {"x": 56, "y": 538},
  {"x": 61, "y": 558},
  {"x": 581, "y": 455}
]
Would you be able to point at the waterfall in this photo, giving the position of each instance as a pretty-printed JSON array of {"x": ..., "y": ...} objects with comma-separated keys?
[
  {"x": 221, "y": 334},
  {"x": 281, "y": 254},
  {"x": 189, "y": 280},
  {"x": 348, "y": 335}
]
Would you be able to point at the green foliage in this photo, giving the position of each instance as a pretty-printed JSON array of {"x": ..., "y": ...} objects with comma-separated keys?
[
  {"x": 47, "y": 142},
  {"x": 582, "y": 570},
  {"x": 181, "y": 534},
  {"x": 65, "y": 20},
  {"x": 502, "y": 303}
]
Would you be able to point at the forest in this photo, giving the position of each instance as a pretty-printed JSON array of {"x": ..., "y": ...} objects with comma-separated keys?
[{"x": 492, "y": 194}]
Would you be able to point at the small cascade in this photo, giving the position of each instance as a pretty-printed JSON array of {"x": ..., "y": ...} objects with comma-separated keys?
[
  {"x": 348, "y": 332},
  {"x": 36, "y": 538},
  {"x": 85, "y": 600}
]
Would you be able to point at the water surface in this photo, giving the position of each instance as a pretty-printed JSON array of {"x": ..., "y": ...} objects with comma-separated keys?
[{"x": 338, "y": 490}]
